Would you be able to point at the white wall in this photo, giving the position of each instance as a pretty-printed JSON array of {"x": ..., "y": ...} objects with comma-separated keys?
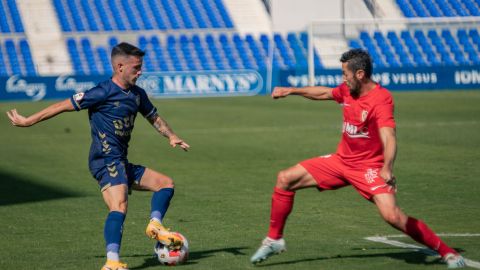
[{"x": 295, "y": 15}]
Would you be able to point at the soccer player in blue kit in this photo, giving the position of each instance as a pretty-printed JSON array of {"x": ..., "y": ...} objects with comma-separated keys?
[{"x": 112, "y": 108}]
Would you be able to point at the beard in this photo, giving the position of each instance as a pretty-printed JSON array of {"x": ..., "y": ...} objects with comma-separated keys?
[{"x": 355, "y": 89}]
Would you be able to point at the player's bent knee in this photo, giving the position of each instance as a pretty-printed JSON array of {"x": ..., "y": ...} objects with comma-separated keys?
[
  {"x": 119, "y": 206},
  {"x": 164, "y": 182},
  {"x": 284, "y": 180}
]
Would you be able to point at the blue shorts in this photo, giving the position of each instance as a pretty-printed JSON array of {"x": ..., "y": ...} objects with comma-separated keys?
[{"x": 117, "y": 173}]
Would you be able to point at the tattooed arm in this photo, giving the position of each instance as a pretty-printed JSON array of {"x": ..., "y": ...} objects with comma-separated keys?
[{"x": 163, "y": 128}]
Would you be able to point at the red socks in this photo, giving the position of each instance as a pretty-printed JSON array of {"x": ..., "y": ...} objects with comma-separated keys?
[
  {"x": 421, "y": 233},
  {"x": 282, "y": 204}
]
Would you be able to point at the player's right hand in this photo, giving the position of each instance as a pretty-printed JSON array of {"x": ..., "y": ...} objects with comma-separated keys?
[
  {"x": 17, "y": 119},
  {"x": 280, "y": 92},
  {"x": 174, "y": 141}
]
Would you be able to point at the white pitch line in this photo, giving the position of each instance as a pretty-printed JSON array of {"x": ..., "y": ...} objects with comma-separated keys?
[
  {"x": 385, "y": 240},
  {"x": 439, "y": 234}
]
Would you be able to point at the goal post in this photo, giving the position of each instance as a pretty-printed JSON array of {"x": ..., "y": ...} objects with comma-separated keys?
[{"x": 344, "y": 30}]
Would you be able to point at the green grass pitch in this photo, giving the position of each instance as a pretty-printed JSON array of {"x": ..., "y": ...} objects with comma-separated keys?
[{"x": 52, "y": 214}]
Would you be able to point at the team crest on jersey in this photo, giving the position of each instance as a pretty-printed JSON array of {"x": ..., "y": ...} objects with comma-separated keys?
[
  {"x": 364, "y": 115},
  {"x": 117, "y": 103},
  {"x": 78, "y": 97},
  {"x": 137, "y": 100}
]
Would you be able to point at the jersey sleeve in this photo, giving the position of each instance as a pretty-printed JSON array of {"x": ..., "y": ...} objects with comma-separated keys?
[
  {"x": 384, "y": 113},
  {"x": 339, "y": 92},
  {"x": 146, "y": 107},
  {"x": 89, "y": 98}
]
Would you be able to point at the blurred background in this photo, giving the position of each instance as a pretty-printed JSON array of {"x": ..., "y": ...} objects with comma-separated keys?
[{"x": 53, "y": 48}]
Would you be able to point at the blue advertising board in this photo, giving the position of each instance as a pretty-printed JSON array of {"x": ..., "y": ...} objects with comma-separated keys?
[
  {"x": 238, "y": 82},
  {"x": 204, "y": 83},
  {"x": 166, "y": 84},
  {"x": 424, "y": 78}
]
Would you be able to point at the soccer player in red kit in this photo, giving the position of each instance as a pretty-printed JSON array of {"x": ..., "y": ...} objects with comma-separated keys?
[{"x": 364, "y": 159}]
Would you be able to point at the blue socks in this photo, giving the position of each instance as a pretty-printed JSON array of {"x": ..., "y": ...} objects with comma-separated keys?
[
  {"x": 114, "y": 224},
  {"x": 160, "y": 202},
  {"x": 113, "y": 234}
]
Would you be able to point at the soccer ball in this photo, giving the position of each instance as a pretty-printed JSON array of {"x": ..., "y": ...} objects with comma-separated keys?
[{"x": 167, "y": 256}]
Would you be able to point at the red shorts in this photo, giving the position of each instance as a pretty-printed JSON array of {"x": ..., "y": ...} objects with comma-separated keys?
[{"x": 331, "y": 172}]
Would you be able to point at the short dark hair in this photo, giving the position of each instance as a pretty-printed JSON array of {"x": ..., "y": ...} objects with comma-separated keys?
[
  {"x": 358, "y": 59},
  {"x": 126, "y": 49}
]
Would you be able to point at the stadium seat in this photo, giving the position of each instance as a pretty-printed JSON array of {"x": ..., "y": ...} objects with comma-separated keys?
[
  {"x": 13, "y": 57},
  {"x": 27, "y": 58},
  {"x": 3, "y": 66},
  {"x": 439, "y": 8}
]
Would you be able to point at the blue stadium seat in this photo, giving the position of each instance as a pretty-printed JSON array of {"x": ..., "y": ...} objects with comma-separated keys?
[
  {"x": 91, "y": 19},
  {"x": 89, "y": 55},
  {"x": 27, "y": 58},
  {"x": 3, "y": 66},
  {"x": 199, "y": 13},
  {"x": 104, "y": 18},
  {"x": 62, "y": 16},
  {"x": 15, "y": 16},
  {"x": 104, "y": 60},
  {"x": 439, "y": 8},
  {"x": 4, "y": 27},
  {"x": 75, "y": 56},
  {"x": 75, "y": 13},
  {"x": 174, "y": 22},
  {"x": 12, "y": 56},
  {"x": 141, "y": 6}
]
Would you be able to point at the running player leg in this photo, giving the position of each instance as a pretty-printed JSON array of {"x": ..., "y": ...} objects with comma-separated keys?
[
  {"x": 323, "y": 172},
  {"x": 163, "y": 190},
  {"x": 416, "y": 229}
]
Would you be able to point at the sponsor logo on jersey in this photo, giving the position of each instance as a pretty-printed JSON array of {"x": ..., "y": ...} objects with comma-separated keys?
[
  {"x": 78, "y": 97},
  {"x": 355, "y": 132}
]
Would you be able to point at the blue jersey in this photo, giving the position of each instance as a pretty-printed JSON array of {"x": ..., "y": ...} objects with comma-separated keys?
[{"x": 112, "y": 112}]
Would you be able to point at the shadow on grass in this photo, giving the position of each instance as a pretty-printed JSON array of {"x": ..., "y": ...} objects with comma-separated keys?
[
  {"x": 193, "y": 257},
  {"x": 408, "y": 256},
  {"x": 16, "y": 189}
]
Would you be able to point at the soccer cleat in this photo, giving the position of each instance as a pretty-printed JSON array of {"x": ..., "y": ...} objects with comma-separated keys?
[
  {"x": 114, "y": 265},
  {"x": 155, "y": 230},
  {"x": 454, "y": 260},
  {"x": 268, "y": 248}
]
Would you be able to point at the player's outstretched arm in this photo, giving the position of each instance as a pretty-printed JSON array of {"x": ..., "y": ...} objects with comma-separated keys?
[
  {"x": 310, "y": 92},
  {"x": 163, "y": 128},
  {"x": 49, "y": 112}
]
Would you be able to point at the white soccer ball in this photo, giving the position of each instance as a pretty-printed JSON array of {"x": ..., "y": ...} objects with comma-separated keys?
[{"x": 168, "y": 256}]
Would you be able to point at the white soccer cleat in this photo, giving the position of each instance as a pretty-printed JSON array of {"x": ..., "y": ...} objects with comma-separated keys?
[
  {"x": 454, "y": 261},
  {"x": 268, "y": 248}
]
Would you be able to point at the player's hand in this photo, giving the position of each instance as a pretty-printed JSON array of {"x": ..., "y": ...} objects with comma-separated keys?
[
  {"x": 17, "y": 119},
  {"x": 388, "y": 176},
  {"x": 280, "y": 92},
  {"x": 174, "y": 141}
]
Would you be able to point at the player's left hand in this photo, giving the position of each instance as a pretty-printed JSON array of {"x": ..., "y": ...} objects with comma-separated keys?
[
  {"x": 174, "y": 141},
  {"x": 388, "y": 176},
  {"x": 17, "y": 119}
]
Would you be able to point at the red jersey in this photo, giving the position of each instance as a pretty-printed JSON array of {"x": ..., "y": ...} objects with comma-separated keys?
[{"x": 362, "y": 118}]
